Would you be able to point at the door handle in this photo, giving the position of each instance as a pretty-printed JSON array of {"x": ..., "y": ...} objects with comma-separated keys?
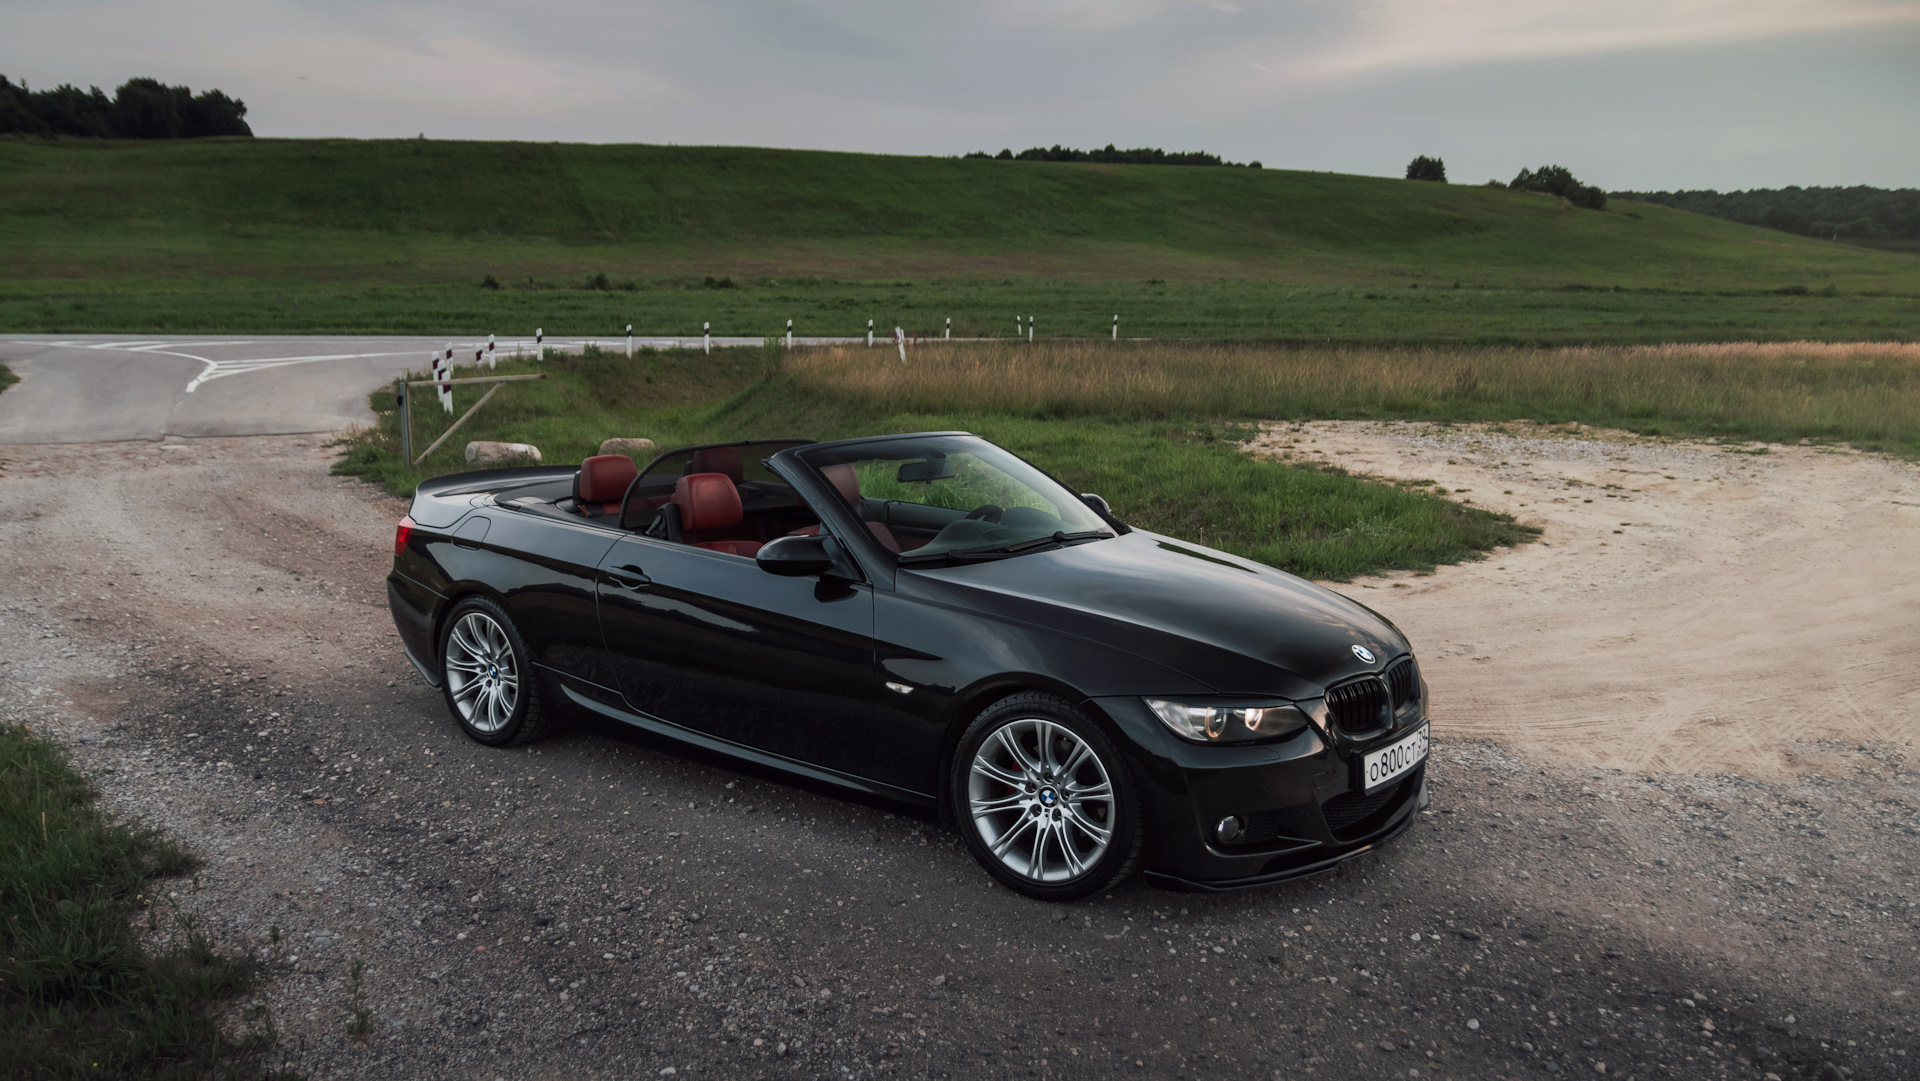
[{"x": 630, "y": 576}]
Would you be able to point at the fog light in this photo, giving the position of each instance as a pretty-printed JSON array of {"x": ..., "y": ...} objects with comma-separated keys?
[{"x": 1229, "y": 829}]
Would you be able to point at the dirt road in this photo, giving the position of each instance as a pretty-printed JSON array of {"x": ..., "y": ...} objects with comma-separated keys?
[
  {"x": 204, "y": 623},
  {"x": 1691, "y": 608}
]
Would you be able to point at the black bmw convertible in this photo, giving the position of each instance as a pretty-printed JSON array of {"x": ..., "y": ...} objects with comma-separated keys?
[{"x": 930, "y": 619}]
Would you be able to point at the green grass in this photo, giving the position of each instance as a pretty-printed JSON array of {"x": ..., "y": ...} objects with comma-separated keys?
[
  {"x": 1184, "y": 478},
  {"x": 261, "y": 236},
  {"x": 80, "y": 996},
  {"x": 1864, "y": 395},
  {"x": 7, "y": 378}
]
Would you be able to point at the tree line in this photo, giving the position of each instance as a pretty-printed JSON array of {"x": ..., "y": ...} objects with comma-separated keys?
[
  {"x": 139, "y": 109},
  {"x": 1859, "y": 212},
  {"x": 1111, "y": 155}
]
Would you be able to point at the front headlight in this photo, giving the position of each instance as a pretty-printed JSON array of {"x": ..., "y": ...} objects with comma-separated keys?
[{"x": 1204, "y": 722}]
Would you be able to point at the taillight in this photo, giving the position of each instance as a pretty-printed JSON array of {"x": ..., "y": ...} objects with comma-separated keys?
[{"x": 402, "y": 534}]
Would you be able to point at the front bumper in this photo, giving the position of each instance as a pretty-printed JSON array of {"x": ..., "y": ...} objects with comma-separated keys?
[{"x": 1300, "y": 799}]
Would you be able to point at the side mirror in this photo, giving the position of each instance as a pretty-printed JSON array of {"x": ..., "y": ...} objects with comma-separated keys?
[
  {"x": 795, "y": 557},
  {"x": 1097, "y": 503}
]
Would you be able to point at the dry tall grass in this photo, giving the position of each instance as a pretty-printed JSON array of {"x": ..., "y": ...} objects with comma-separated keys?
[{"x": 1865, "y": 393}]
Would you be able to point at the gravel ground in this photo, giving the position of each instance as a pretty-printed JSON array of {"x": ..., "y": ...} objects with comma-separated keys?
[{"x": 600, "y": 905}]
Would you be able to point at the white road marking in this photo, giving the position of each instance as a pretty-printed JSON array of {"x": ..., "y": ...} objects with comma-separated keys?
[{"x": 220, "y": 369}]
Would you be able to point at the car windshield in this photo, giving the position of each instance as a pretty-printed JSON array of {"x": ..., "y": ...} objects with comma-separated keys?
[{"x": 954, "y": 498}]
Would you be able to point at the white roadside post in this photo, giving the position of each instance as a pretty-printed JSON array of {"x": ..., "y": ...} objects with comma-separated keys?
[
  {"x": 441, "y": 375},
  {"x": 629, "y": 341},
  {"x": 789, "y": 334},
  {"x": 1116, "y": 327},
  {"x": 900, "y": 336},
  {"x": 869, "y": 334},
  {"x": 1016, "y": 327},
  {"x": 539, "y": 344},
  {"x": 491, "y": 358},
  {"x": 706, "y": 337},
  {"x": 1029, "y": 328},
  {"x": 949, "y": 333}
]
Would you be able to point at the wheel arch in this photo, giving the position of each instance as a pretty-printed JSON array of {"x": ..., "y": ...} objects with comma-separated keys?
[{"x": 461, "y": 591}]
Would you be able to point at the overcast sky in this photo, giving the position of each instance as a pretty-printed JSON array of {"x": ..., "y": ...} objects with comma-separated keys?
[{"x": 1629, "y": 94}]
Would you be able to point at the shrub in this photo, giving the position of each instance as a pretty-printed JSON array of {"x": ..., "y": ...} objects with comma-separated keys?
[
  {"x": 1426, "y": 168},
  {"x": 1559, "y": 180}
]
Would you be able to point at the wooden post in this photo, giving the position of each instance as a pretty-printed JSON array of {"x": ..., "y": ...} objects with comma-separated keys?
[{"x": 406, "y": 423}]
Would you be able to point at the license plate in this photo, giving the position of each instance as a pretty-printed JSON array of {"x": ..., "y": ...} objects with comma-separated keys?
[{"x": 1385, "y": 764}]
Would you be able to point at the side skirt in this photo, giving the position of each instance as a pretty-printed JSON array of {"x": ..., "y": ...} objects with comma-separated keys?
[
  {"x": 426, "y": 671},
  {"x": 759, "y": 758}
]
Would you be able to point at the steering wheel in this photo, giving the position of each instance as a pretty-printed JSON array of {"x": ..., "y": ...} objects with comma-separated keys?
[{"x": 986, "y": 512}]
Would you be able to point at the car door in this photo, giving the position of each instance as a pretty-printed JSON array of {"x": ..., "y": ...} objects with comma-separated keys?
[{"x": 710, "y": 642}]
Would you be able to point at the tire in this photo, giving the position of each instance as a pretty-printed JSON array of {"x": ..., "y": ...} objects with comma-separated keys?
[
  {"x": 1043, "y": 799},
  {"x": 491, "y": 687}
]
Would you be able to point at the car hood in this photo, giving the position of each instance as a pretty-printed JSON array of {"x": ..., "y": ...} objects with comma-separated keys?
[{"x": 1232, "y": 624}]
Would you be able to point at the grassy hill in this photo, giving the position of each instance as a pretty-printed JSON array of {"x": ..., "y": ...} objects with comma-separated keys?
[{"x": 286, "y": 235}]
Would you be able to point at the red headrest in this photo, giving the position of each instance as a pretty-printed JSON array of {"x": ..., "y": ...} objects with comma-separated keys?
[
  {"x": 722, "y": 460},
  {"x": 707, "y": 501},
  {"x": 845, "y": 481},
  {"x": 604, "y": 478}
]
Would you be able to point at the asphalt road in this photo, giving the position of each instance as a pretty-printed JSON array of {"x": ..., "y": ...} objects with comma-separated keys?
[{"x": 96, "y": 388}]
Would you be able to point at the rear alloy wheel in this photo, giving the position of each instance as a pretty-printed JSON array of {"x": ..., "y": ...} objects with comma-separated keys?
[
  {"x": 489, "y": 685},
  {"x": 1043, "y": 799}
]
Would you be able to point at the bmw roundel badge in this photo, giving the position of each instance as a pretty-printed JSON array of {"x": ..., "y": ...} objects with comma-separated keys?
[{"x": 1363, "y": 653}]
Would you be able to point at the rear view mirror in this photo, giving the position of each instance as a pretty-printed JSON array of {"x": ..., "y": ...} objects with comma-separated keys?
[
  {"x": 928, "y": 469},
  {"x": 795, "y": 557},
  {"x": 1097, "y": 503}
]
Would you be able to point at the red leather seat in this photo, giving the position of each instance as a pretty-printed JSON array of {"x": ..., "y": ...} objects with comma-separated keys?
[
  {"x": 847, "y": 483},
  {"x": 602, "y": 483},
  {"x": 710, "y": 514}
]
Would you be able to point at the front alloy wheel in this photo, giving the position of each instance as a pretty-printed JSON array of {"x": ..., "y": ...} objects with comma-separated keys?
[{"x": 1043, "y": 801}]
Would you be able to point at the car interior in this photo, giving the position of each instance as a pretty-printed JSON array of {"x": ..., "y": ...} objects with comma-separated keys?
[
  {"x": 708, "y": 497},
  {"x": 724, "y": 500}
]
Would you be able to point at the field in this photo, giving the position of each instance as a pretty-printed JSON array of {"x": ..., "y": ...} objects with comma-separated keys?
[
  {"x": 1183, "y": 477},
  {"x": 1156, "y": 428},
  {"x": 290, "y": 236}
]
